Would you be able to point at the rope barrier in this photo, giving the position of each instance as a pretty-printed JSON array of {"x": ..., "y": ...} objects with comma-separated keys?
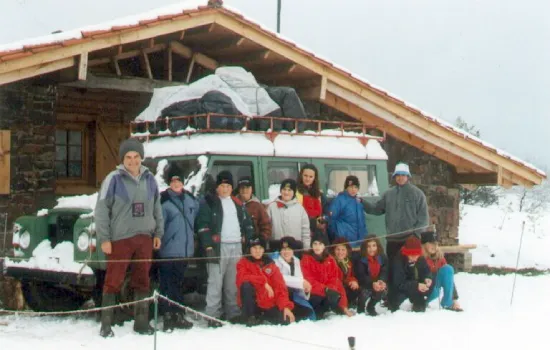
[
  {"x": 74, "y": 312},
  {"x": 201, "y": 258}
]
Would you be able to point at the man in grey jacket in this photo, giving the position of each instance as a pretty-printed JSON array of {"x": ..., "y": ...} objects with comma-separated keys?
[
  {"x": 405, "y": 208},
  {"x": 129, "y": 225}
]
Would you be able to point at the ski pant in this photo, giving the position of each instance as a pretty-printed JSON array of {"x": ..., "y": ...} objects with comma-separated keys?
[
  {"x": 417, "y": 298},
  {"x": 250, "y": 308},
  {"x": 443, "y": 280},
  {"x": 222, "y": 282},
  {"x": 139, "y": 247},
  {"x": 352, "y": 295},
  {"x": 321, "y": 304},
  {"x": 171, "y": 280}
]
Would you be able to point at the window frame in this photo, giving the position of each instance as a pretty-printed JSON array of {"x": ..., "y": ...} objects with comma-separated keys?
[
  {"x": 83, "y": 128},
  {"x": 329, "y": 167}
]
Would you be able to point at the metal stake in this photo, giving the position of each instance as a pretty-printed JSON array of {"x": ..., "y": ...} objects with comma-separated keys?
[
  {"x": 156, "y": 301},
  {"x": 517, "y": 262}
]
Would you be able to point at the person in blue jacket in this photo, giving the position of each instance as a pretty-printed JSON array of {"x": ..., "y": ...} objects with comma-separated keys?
[
  {"x": 179, "y": 209},
  {"x": 346, "y": 214}
]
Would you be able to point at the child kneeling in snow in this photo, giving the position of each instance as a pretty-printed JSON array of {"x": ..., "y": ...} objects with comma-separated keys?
[
  {"x": 299, "y": 289},
  {"x": 410, "y": 277},
  {"x": 320, "y": 269},
  {"x": 371, "y": 271},
  {"x": 443, "y": 273},
  {"x": 341, "y": 251},
  {"x": 262, "y": 293}
]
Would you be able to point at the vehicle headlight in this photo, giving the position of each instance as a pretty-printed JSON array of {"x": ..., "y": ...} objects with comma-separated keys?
[
  {"x": 25, "y": 240},
  {"x": 83, "y": 242}
]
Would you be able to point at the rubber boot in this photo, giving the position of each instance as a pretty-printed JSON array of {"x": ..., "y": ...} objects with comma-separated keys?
[
  {"x": 362, "y": 300},
  {"x": 371, "y": 311},
  {"x": 107, "y": 315},
  {"x": 141, "y": 315},
  {"x": 181, "y": 322}
]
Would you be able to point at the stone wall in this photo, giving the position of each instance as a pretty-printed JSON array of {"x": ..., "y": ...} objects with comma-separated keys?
[
  {"x": 27, "y": 110},
  {"x": 435, "y": 178}
]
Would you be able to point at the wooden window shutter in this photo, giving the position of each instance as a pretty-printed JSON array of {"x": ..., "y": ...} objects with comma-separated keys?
[{"x": 5, "y": 173}]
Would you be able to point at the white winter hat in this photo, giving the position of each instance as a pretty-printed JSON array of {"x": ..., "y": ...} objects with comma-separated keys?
[{"x": 401, "y": 169}]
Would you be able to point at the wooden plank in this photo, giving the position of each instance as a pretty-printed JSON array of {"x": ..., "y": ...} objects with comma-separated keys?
[
  {"x": 205, "y": 61},
  {"x": 168, "y": 69},
  {"x": 82, "y": 66},
  {"x": 223, "y": 44},
  {"x": 117, "y": 38},
  {"x": 242, "y": 27},
  {"x": 190, "y": 70},
  {"x": 311, "y": 93},
  {"x": 323, "y": 93},
  {"x": 182, "y": 35},
  {"x": 247, "y": 58},
  {"x": 116, "y": 66},
  {"x": 5, "y": 159},
  {"x": 34, "y": 71},
  {"x": 476, "y": 178},
  {"x": 181, "y": 49},
  {"x": 132, "y": 84},
  {"x": 109, "y": 137},
  {"x": 145, "y": 65}
]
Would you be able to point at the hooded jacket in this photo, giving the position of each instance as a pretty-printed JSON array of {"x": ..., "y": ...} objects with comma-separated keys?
[
  {"x": 258, "y": 215},
  {"x": 362, "y": 269},
  {"x": 128, "y": 206},
  {"x": 406, "y": 276},
  {"x": 405, "y": 208},
  {"x": 179, "y": 212},
  {"x": 289, "y": 219},
  {"x": 347, "y": 219},
  {"x": 258, "y": 273}
]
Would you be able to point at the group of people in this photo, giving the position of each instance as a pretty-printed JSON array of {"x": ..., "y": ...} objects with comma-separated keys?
[{"x": 302, "y": 257}]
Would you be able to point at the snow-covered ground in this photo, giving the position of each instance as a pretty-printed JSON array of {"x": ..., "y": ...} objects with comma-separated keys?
[
  {"x": 489, "y": 322},
  {"x": 497, "y": 233}
]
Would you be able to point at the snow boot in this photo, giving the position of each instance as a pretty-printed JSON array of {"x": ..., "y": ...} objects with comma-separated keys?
[
  {"x": 181, "y": 322},
  {"x": 252, "y": 321},
  {"x": 214, "y": 324},
  {"x": 141, "y": 315},
  {"x": 107, "y": 315},
  {"x": 362, "y": 300},
  {"x": 371, "y": 311},
  {"x": 168, "y": 322},
  {"x": 419, "y": 307}
]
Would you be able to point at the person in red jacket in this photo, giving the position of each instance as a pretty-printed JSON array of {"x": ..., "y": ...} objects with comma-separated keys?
[
  {"x": 341, "y": 251},
  {"x": 321, "y": 271},
  {"x": 262, "y": 292}
]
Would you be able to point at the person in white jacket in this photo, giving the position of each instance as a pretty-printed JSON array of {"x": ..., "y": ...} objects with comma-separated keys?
[
  {"x": 288, "y": 217},
  {"x": 298, "y": 288}
]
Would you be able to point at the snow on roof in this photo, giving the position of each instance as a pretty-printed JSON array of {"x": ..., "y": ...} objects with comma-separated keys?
[
  {"x": 199, "y": 5},
  {"x": 285, "y": 145}
]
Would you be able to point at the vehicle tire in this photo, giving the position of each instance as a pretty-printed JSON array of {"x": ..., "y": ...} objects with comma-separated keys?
[{"x": 42, "y": 296}]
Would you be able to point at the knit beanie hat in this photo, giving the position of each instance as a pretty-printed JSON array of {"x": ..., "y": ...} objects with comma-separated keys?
[
  {"x": 288, "y": 242},
  {"x": 224, "y": 177},
  {"x": 319, "y": 237},
  {"x": 412, "y": 246},
  {"x": 256, "y": 240},
  {"x": 130, "y": 145},
  {"x": 351, "y": 180},
  {"x": 173, "y": 172},
  {"x": 428, "y": 237},
  {"x": 289, "y": 183},
  {"x": 401, "y": 169}
]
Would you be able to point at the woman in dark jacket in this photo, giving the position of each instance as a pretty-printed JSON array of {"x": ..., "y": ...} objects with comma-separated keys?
[{"x": 371, "y": 271}]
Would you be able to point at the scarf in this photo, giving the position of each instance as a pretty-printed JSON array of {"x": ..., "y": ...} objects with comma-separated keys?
[
  {"x": 344, "y": 265},
  {"x": 374, "y": 267}
]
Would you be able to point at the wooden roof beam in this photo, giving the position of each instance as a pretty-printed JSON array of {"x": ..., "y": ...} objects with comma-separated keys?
[
  {"x": 82, "y": 66},
  {"x": 33, "y": 71},
  {"x": 240, "y": 26},
  {"x": 119, "y": 38},
  {"x": 197, "y": 57},
  {"x": 132, "y": 84},
  {"x": 275, "y": 71},
  {"x": 222, "y": 44},
  {"x": 247, "y": 58}
]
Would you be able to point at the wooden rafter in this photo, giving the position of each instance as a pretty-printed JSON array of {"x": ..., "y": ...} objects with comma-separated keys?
[
  {"x": 275, "y": 71},
  {"x": 33, "y": 71},
  {"x": 168, "y": 64},
  {"x": 247, "y": 58},
  {"x": 241, "y": 27},
  {"x": 132, "y": 84},
  {"x": 120, "y": 38},
  {"x": 222, "y": 44},
  {"x": 146, "y": 65},
  {"x": 128, "y": 54},
  {"x": 198, "y": 58}
]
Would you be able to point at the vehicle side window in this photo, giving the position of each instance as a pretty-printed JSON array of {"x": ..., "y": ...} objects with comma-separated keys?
[
  {"x": 237, "y": 168},
  {"x": 279, "y": 171},
  {"x": 337, "y": 175}
]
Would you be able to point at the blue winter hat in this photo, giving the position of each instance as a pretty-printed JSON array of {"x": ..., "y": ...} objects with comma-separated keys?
[{"x": 401, "y": 169}]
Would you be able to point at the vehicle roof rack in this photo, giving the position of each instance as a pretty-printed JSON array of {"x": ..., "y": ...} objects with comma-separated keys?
[{"x": 271, "y": 127}]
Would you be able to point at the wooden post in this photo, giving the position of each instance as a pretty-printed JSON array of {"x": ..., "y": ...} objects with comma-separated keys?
[
  {"x": 145, "y": 65},
  {"x": 190, "y": 71},
  {"x": 83, "y": 66},
  {"x": 168, "y": 63},
  {"x": 5, "y": 158}
]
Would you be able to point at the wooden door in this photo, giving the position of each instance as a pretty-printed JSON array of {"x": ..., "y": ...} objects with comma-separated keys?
[
  {"x": 5, "y": 172},
  {"x": 109, "y": 136}
]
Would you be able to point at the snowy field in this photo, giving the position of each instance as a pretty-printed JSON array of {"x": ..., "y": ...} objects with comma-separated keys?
[{"x": 489, "y": 322}]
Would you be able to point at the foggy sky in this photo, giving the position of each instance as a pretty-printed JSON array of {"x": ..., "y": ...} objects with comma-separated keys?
[{"x": 486, "y": 61}]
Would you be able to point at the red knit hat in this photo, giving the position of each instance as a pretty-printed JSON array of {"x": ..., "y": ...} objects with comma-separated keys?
[{"x": 412, "y": 246}]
